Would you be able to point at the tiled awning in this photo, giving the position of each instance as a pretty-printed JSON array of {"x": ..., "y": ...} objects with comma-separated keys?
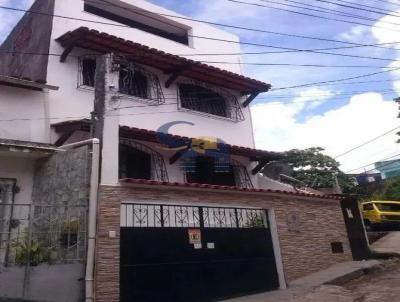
[
  {"x": 104, "y": 43},
  {"x": 154, "y": 137}
]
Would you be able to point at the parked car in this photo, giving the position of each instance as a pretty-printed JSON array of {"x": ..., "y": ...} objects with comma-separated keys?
[{"x": 381, "y": 213}]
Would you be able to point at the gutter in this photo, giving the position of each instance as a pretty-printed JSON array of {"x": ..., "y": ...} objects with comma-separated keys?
[{"x": 92, "y": 217}]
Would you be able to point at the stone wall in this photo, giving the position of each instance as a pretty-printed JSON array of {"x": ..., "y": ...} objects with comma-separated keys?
[
  {"x": 63, "y": 179},
  {"x": 306, "y": 227}
]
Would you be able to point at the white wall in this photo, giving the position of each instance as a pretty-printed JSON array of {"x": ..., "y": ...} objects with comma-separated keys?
[
  {"x": 27, "y": 110},
  {"x": 21, "y": 169},
  {"x": 77, "y": 103}
]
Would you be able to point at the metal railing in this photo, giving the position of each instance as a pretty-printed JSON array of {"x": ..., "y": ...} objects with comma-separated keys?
[{"x": 31, "y": 234}]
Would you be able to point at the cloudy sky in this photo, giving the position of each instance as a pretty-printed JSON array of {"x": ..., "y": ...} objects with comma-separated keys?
[{"x": 336, "y": 116}]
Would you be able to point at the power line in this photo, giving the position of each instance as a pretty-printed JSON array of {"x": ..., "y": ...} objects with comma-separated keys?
[
  {"x": 107, "y": 3},
  {"x": 365, "y": 166},
  {"x": 366, "y": 143},
  {"x": 363, "y": 5},
  {"x": 316, "y": 16},
  {"x": 335, "y": 81},
  {"x": 287, "y": 49},
  {"x": 234, "y": 63},
  {"x": 358, "y": 8},
  {"x": 202, "y": 21}
]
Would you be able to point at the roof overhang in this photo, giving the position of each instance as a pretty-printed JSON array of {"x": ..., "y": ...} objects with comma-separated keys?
[
  {"x": 171, "y": 64},
  {"x": 160, "y": 138},
  {"x": 15, "y": 148},
  {"x": 26, "y": 84}
]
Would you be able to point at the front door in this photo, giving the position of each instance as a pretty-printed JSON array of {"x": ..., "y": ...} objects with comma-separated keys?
[{"x": 183, "y": 253}]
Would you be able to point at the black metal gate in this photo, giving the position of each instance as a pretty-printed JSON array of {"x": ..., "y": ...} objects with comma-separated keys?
[{"x": 183, "y": 253}]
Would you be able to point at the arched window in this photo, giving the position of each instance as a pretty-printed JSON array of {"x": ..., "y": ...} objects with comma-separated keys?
[
  {"x": 137, "y": 161},
  {"x": 202, "y": 98},
  {"x": 134, "y": 82}
]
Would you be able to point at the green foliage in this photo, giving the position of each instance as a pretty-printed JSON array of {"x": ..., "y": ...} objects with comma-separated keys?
[
  {"x": 255, "y": 222},
  {"x": 34, "y": 253},
  {"x": 390, "y": 190},
  {"x": 316, "y": 169}
]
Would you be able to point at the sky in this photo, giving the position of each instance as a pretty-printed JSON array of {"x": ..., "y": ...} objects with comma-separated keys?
[{"x": 335, "y": 116}]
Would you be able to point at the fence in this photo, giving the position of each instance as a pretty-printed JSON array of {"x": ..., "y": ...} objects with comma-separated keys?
[{"x": 49, "y": 240}]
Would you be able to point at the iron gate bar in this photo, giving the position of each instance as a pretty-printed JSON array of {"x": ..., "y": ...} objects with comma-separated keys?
[{"x": 159, "y": 215}]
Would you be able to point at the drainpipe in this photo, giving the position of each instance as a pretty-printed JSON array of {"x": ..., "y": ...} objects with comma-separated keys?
[{"x": 92, "y": 219}]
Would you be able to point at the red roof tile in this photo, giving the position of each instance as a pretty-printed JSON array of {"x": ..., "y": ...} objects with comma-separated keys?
[
  {"x": 224, "y": 188},
  {"x": 104, "y": 43},
  {"x": 154, "y": 137}
]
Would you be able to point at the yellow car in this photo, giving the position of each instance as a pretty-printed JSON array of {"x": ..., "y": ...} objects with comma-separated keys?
[{"x": 381, "y": 213}]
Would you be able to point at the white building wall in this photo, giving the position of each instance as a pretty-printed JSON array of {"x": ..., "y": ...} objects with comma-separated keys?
[
  {"x": 70, "y": 101},
  {"x": 21, "y": 169},
  {"x": 23, "y": 115}
]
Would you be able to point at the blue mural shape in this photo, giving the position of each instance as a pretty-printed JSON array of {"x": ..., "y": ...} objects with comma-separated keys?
[{"x": 191, "y": 148}]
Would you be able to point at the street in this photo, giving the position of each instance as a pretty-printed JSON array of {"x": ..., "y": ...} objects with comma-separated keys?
[{"x": 382, "y": 285}]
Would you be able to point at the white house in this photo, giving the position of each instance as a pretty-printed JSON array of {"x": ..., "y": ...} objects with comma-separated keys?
[{"x": 179, "y": 171}]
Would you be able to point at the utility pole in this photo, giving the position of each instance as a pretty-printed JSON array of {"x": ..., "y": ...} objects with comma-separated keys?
[
  {"x": 105, "y": 119},
  {"x": 100, "y": 94}
]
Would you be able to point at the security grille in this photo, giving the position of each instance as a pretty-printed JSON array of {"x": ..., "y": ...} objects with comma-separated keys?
[
  {"x": 209, "y": 100},
  {"x": 179, "y": 216},
  {"x": 158, "y": 170},
  {"x": 139, "y": 83},
  {"x": 34, "y": 234}
]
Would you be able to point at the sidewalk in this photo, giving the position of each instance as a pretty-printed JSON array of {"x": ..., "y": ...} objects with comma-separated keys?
[
  {"x": 388, "y": 244},
  {"x": 336, "y": 274}
]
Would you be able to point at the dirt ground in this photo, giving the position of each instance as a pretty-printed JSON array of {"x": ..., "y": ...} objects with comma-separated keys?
[{"x": 382, "y": 285}]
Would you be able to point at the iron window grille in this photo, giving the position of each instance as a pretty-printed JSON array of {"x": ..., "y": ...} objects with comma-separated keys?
[
  {"x": 181, "y": 216},
  {"x": 232, "y": 173},
  {"x": 139, "y": 83},
  {"x": 86, "y": 71},
  {"x": 209, "y": 100},
  {"x": 156, "y": 168}
]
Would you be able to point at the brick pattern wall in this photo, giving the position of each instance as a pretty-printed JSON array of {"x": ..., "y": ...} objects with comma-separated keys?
[{"x": 305, "y": 248}]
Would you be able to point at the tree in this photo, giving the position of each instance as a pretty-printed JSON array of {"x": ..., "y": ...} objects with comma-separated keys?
[
  {"x": 390, "y": 190},
  {"x": 316, "y": 169}
]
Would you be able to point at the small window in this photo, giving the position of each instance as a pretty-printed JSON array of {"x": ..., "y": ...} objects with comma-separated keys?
[
  {"x": 133, "y": 82},
  {"x": 87, "y": 71},
  {"x": 202, "y": 99},
  {"x": 134, "y": 163}
]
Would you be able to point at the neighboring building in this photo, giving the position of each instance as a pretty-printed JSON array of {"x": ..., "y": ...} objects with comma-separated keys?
[
  {"x": 388, "y": 168},
  {"x": 181, "y": 205}
]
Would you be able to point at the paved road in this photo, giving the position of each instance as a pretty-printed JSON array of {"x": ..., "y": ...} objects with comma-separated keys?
[
  {"x": 388, "y": 244},
  {"x": 381, "y": 286}
]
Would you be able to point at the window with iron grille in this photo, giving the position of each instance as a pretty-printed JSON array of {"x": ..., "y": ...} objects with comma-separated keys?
[
  {"x": 205, "y": 99},
  {"x": 138, "y": 161},
  {"x": 87, "y": 70},
  {"x": 135, "y": 81},
  {"x": 206, "y": 171}
]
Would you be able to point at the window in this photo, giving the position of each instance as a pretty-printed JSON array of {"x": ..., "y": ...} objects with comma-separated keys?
[
  {"x": 134, "y": 163},
  {"x": 136, "y": 81},
  {"x": 147, "y": 21},
  {"x": 205, "y": 172},
  {"x": 388, "y": 207},
  {"x": 87, "y": 66},
  {"x": 133, "y": 82},
  {"x": 368, "y": 207},
  {"x": 138, "y": 161},
  {"x": 209, "y": 100}
]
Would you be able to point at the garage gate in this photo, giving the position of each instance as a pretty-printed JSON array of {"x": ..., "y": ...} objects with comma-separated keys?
[{"x": 189, "y": 253}]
